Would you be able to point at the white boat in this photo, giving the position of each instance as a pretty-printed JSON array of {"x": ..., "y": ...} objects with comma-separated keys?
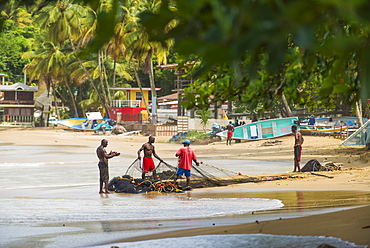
[{"x": 93, "y": 122}]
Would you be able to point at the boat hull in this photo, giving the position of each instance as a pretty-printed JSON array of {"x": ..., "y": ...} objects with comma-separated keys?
[
  {"x": 84, "y": 124},
  {"x": 266, "y": 129},
  {"x": 322, "y": 129}
]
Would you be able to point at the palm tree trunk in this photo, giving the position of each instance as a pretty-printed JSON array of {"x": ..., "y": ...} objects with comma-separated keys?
[
  {"x": 106, "y": 82},
  {"x": 73, "y": 99},
  {"x": 101, "y": 77},
  {"x": 141, "y": 89},
  {"x": 89, "y": 77},
  {"x": 154, "y": 92},
  {"x": 359, "y": 113},
  {"x": 55, "y": 101},
  {"x": 114, "y": 70},
  {"x": 287, "y": 108}
]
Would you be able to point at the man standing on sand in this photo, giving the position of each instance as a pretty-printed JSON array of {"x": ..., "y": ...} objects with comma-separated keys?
[
  {"x": 103, "y": 165},
  {"x": 298, "y": 141},
  {"x": 230, "y": 131},
  {"x": 148, "y": 163},
  {"x": 186, "y": 155}
]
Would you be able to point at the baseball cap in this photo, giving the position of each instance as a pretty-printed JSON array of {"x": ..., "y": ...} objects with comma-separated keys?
[{"x": 186, "y": 142}]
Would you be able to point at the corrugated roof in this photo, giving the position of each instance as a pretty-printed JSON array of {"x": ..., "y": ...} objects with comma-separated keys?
[
  {"x": 18, "y": 86},
  {"x": 131, "y": 88},
  {"x": 169, "y": 97}
]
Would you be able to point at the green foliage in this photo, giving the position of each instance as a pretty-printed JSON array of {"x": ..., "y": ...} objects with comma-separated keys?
[
  {"x": 12, "y": 46},
  {"x": 195, "y": 135},
  {"x": 204, "y": 115},
  {"x": 252, "y": 51},
  {"x": 314, "y": 52}
]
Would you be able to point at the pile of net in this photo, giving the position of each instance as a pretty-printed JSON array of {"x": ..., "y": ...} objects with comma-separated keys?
[{"x": 314, "y": 165}]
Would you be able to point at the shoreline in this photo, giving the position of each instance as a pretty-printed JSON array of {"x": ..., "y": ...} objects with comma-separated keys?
[
  {"x": 346, "y": 225},
  {"x": 332, "y": 224}
]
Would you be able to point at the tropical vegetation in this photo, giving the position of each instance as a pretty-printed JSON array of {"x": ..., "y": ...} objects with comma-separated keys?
[{"x": 264, "y": 56}]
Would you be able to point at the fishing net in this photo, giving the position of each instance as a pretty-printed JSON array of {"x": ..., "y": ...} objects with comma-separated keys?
[
  {"x": 204, "y": 175},
  {"x": 163, "y": 170}
]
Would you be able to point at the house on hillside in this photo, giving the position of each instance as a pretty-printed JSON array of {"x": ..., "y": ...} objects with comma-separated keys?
[
  {"x": 17, "y": 104},
  {"x": 132, "y": 109}
]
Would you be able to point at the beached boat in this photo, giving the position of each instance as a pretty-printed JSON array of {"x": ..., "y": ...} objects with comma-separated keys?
[
  {"x": 360, "y": 137},
  {"x": 322, "y": 129},
  {"x": 265, "y": 129},
  {"x": 337, "y": 121},
  {"x": 93, "y": 122}
]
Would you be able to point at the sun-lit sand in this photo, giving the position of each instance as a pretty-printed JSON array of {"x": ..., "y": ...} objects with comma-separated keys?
[{"x": 351, "y": 225}]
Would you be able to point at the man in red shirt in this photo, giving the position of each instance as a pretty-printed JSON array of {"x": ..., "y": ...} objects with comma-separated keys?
[{"x": 186, "y": 155}]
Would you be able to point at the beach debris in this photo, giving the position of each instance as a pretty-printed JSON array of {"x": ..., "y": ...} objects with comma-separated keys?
[
  {"x": 118, "y": 129},
  {"x": 364, "y": 227},
  {"x": 272, "y": 143},
  {"x": 314, "y": 165},
  {"x": 321, "y": 175}
]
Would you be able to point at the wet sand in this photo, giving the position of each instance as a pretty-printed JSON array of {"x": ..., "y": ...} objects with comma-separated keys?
[
  {"x": 345, "y": 224},
  {"x": 350, "y": 225}
]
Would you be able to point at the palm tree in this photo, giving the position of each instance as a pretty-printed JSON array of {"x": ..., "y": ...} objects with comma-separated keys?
[
  {"x": 140, "y": 48},
  {"x": 46, "y": 65},
  {"x": 63, "y": 21}
]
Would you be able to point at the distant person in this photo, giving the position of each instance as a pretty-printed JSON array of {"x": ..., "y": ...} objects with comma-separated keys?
[
  {"x": 312, "y": 121},
  {"x": 103, "y": 165},
  {"x": 230, "y": 131},
  {"x": 187, "y": 156},
  {"x": 148, "y": 163},
  {"x": 298, "y": 141}
]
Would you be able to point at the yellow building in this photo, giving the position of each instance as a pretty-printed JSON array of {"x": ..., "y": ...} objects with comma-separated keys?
[{"x": 133, "y": 105}]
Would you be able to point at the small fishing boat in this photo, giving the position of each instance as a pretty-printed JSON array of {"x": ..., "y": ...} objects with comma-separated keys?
[
  {"x": 322, "y": 129},
  {"x": 265, "y": 129},
  {"x": 337, "y": 121},
  {"x": 93, "y": 122}
]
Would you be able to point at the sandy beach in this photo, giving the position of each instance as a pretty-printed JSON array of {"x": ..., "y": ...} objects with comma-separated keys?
[{"x": 347, "y": 224}]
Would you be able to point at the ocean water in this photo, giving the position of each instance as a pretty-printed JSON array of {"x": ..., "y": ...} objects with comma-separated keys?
[{"x": 49, "y": 198}]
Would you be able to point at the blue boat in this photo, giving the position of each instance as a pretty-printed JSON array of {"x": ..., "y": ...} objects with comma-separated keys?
[
  {"x": 336, "y": 121},
  {"x": 265, "y": 129},
  {"x": 93, "y": 122}
]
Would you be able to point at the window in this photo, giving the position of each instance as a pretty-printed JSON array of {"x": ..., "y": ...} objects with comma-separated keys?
[{"x": 139, "y": 96}]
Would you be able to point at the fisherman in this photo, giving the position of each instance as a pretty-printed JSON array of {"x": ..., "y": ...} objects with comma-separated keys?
[
  {"x": 103, "y": 165},
  {"x": 311, "y": 121},
  {"x": 230, "y": 131},
  {"x": 186, "y": 155},
  {"x": 148, "y": 163},
  {"x": 298, "y": 141}
]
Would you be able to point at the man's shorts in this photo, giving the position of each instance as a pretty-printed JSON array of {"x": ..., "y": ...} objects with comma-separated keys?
[
  {"x": 181, "y": 171},
  {"x": 148, "y": 164},
  {"x": 103, "y": 170},
  {"x": 229, "y": 134},
  {"x": 297, "y": 153}
]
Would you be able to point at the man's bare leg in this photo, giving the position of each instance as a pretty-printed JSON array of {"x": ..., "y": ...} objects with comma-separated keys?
[
  {"x": 143, "y": 175},
  {"x": 187, "y": 181},
  {"x": 101, "y": 188},
  {"x": 297, "y": 168},
  {"x": 154, "y": 175},
  {"x": 175, "y": 181},
  {"x": 106, "y": 188}
]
